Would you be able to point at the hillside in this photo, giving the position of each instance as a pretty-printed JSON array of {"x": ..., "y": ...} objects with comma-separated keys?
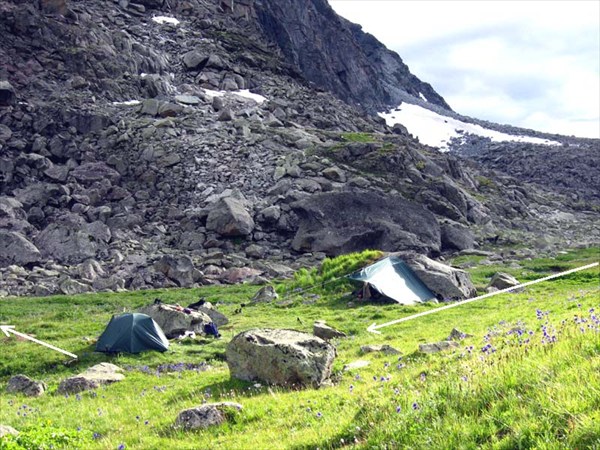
[
  {"x": 162, "y": 144},
  {"x": 526, "y": 377}
]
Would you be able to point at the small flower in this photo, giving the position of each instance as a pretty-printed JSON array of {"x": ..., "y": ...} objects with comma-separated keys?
[
  {"x": 415, "y": 406},
  {"x": 398, "y": 409},
  {"x": 121, "y": 447},
  {"x": 319, "y": 415},
  {"x": 96, "y": 436},
  {"x": 146, "y": 422}
]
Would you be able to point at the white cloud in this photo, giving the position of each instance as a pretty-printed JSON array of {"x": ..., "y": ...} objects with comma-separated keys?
[{"x": 527, "y": 63}]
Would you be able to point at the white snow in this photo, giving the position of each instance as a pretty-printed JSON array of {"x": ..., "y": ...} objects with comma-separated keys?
[
  {"x": 247, "y": 94},
  {"x": 165, "y": 19},
  {"x": 127, "y": 103},
  {"x": 241, "y": 93},
  {"x": 436, "y": 130},
  {"x": 422, "y": 96}
]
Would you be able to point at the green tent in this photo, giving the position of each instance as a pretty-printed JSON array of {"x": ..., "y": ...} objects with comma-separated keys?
[
  {"x": 392, "y": 279},
  {"x": 132, "y": 333}
]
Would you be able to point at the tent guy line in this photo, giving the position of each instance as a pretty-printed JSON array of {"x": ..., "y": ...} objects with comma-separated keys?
[
  {"x": 7, "y": 329},
  {"x": 373, "y": 328}
]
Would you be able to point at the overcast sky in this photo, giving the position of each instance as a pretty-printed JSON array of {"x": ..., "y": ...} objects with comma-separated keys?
[{"x": 533, "y": 64}]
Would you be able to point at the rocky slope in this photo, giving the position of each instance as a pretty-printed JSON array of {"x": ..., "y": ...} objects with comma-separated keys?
[{"x": 132, "y": 155}]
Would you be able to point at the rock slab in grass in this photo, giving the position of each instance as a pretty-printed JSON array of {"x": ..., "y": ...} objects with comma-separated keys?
[
  {"x": 281, "y": 357},
  {"x": 324, "y": 331},
  {"x": 6, "y": 430},
  {"x": 385, "y": 349},
  {"x": 24, "y": 385},
  {"x": 206, "y": 415},
  {"x": 265, "y": 294},
  {"x": 457, "y": 335},
  {"x": 437, "y": 346},
  {"x": 501, "y": 280},
  {"x": 174, "y": 320},
  {"x": 92, "y": 378}
]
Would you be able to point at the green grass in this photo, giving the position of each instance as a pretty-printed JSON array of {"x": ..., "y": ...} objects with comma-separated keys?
[
  {"x": 360, "y": 137},
  {"x": 516, "y": 394}
]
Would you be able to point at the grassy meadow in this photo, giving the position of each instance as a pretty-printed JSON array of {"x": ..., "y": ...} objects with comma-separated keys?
[{"x": 529, "y": 377}]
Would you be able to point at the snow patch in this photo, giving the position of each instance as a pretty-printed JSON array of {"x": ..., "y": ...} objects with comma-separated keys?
[
  {"x": 422, "y": 97},
  {"x": 164, "y": 19},
  {"x": 245, "y": 93},
  {"x": 127, "y": 103},
  {"x": 436, "y": 130}
]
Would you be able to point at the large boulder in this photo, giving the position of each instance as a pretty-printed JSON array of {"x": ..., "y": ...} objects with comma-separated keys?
[
  {"x": 175, "y": 320},
  {"x": 457, "y": 237},
  {"x": 7, "y": 94},
  {"x": 281, "y": 357},
  {"x": 22, "y": 384},
  {"x": 179, "y": 269},
  {"x": 344, "y": 222},
  {"x": 229, "y": 217},
  {"x": 67, "y": 243},
  {"x": 16, "y": 249},
  {"x": 447, "y": 283},
  {"x": 206, "y": 415}
]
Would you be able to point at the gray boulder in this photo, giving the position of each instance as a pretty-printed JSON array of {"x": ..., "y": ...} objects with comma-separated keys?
[
  {"x": 179, "y": 269},
  {"x": 447, "y": 283},
  {"x": 456, "y": 237},
  {"x": 324, "y": 331},
  {"x": 218, "y": 318},
  {"x": 281, "y": 357},
  {"x": 74, "y": 287},
  {"x": 206, "y": 415},
  {"x": 342, "y": 222},
  {"x": 7, "y": 94},
  {"x": 175, "y": 320},
  {"x": 265, "y": 294},
  {"x": 501, "y": 280},
  {"x": 229, "y": 217},
  {"x": 24, "y": 385},
  {"x": 67, "y": 243},
  {"x": 92, "y": 378},
  {"x": 88, "y": 173},
  {"x": 16, "y": 249}
]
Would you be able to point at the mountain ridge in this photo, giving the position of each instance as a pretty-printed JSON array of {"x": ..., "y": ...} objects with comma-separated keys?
[{"x": 130, "y": 158}]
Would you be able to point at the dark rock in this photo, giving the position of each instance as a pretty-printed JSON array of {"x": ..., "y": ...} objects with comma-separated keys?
[
  {"x": 16, "y": 249},
  {"x": 324, "y": 331},
  {"x": 175, "y": 321},
  {"x": 205, "y": 416},
  {"x": 179, "y": 269},
  {"x": 7, "y": 94},
  {"x": 501, "y": 280},
  {"x": 265, "y": 294},
  {"x": 344, "y": 222},
  {"x": 89, "y": 172},
  {"x": 456, "y": 237},
  {"x": 229, "y": 217},
  {"x": 22, "y": 384},
  {"x": 67, "y": 243},
  {"x": 437, "y": 346}
]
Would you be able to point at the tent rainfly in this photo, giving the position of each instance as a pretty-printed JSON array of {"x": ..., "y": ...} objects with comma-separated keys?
[
  {"x": 132, "y": 333},
  {"x": 392, "y": 279}
]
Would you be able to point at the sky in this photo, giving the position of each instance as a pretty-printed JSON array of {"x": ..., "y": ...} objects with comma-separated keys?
[{"x": 532, "y": 64}]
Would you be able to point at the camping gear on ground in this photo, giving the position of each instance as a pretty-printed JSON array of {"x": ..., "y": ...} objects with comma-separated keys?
[
  {"x": 390, "y": 279},
  {"x": 132, "y": 333},
  {"x": 211, "y": 330}
]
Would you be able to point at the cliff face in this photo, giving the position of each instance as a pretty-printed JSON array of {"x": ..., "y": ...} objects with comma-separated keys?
[{"x": 338, "y": 56}]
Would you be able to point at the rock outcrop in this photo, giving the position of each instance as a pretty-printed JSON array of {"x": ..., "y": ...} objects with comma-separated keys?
[
  {"x": 206, "y": 415},
  {"x": 175, "y": 320},
  {"x": 22, "y": 384}
]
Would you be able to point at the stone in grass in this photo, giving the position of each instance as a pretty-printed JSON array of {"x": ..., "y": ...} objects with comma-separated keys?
[
  {"x": 501, "y": 280},
  {"x": 358, "y": 364},
  {"x": 457, "y": 335},
  {"x": 320, "y": 329},
  {"x": 6, "y": 430},
  {"x": 92, "y": 378},
  {"x": 24, "y": 385},
  {"x": 206, "y": 415},
  {"x": 385, "y": 349},
  {"x": 437, "y": 346}
]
